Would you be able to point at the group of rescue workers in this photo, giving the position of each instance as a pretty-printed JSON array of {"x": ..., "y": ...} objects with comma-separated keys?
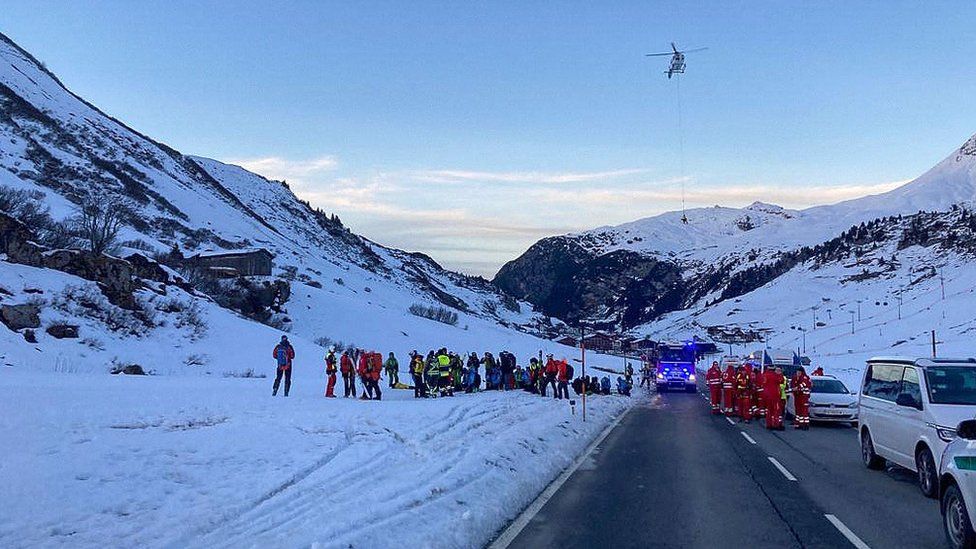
[
  {"x": 444, "y": 373},
  {"x": 747, "y": 391}
]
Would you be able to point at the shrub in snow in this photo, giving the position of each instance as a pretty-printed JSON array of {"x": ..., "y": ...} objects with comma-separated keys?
[
  {"x": 27, "y": 207},
  {"x": 327, "y": 343},
  {"x": 433, "y": 312},
  {"x": 87, "y": 302},
  {"x": 196, "y": 360},
  {"x": 128, "y": 369},
  {"x": 94, "y": 343},
  {"x": 248, "y": 373}
]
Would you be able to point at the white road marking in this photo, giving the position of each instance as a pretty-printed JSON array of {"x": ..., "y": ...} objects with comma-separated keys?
[
  {"x": 749, "y": 438},
  {"x": 851, "y": 536},
  {"x": 786, "y": 473},
  {"x": 727, "y": 418},
  {"x": 509, "y": 534}
]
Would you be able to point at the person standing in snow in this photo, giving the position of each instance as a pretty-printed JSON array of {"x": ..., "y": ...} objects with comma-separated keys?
[
  {"x": 330, "y": 371},
  {"x": 392, "y": 368},
  {"x": 563, "y": 375},
  {"x": 348, "y": 370},
  {"x": 417, "y": 371},
  {"x": 552, "y": 369},
  {"x": 283, "y": 354},
  {"x": 371, "y": 375}
]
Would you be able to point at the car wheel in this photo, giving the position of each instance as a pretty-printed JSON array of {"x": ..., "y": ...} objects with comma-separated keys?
[
  {"x": 928, "y": 479},
  {"x": 691, "y": 389},
  {"x": 662, "y": 388},
  {"x": 871, "y": 459},
  {"x": 955, "y": 520}
]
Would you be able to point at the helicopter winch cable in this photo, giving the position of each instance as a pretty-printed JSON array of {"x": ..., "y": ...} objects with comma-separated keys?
[{"x": 681, "y": 148}]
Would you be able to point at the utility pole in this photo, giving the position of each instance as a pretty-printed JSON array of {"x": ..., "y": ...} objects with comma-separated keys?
[
  {"x": 852, "y": 322},
  {"x": 583, "y": 364},
  {"x": 899, "y": 303},
  {"x": 859, "y": 310},
  {"x": 933, "y": 343},
  {"x": 814, "y": 318},
  {"x": 942, "y": 283}
]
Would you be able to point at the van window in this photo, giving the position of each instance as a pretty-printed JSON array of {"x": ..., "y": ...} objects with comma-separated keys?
[
  {"x": 951, "y": 384},
  {"x": 910, "y": 386},
  {"x": 883, "y": 381}
]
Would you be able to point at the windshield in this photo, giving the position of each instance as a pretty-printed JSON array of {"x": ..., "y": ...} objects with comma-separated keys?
[
  {"x": 951, "y": 384},
  {"x": 829, "y": 386},
  {"x": 681, "y": 354}
]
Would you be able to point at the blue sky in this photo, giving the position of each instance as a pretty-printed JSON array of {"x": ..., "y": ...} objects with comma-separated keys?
[{"x": 470, "y": 130}]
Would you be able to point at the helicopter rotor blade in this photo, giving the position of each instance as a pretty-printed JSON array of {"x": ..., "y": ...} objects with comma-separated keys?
[
  {"x": 657, "y": 54},
  {"x": 694, "y": 50},
  {"x": 673, "y": 47}
]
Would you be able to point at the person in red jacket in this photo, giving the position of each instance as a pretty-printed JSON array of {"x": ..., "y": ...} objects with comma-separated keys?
[
  {"x": 562, "y": 376},
  {"x": 801, "y": 399},
  {"x": 758, "y": 404},
  {"x": 283, "y": 354},
  {"x": 552, "y": 369},
  {"x": 330, "y": 371},
  {"x": 773, "y": 382},
  {"x": 348, "y": 371},
  {"x": 370, "y": 365},
  {"x": 818, "y": 371},
  {"x": 728, "y": 390},
  {"x": 743, "y": 392},
  {"x": 713, "y": 378}
]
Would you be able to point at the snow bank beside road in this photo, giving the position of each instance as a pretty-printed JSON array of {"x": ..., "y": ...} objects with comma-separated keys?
[{"x": 152, "y": 461}]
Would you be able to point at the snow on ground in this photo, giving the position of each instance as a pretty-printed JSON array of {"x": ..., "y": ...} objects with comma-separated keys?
[{"x": 96, "y": 460}]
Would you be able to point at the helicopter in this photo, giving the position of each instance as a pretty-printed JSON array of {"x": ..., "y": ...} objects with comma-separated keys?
[{"x": 677, "y": 59}]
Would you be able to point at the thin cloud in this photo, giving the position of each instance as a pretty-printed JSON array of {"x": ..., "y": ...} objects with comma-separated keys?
[
  {"x": 538, "y": 178},
  {"x": 796, "y": 197},
  {"x": 276, "y": 167}
]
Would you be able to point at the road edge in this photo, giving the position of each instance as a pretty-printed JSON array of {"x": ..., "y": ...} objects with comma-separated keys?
[{"x": 516, "y": 526}]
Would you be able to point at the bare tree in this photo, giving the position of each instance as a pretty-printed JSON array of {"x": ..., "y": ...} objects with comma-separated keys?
[
  {"x": 98, "y": 221},
  {"x": 25, "y": 206}
]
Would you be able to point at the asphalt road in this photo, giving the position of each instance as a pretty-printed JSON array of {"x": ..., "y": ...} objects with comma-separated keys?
[{"x": 672, "y": 475}]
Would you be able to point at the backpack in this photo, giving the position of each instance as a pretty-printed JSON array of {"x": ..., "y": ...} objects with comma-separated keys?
[
  {"x": 282, "y": 355},
  {"x": 569, "y": 371}
]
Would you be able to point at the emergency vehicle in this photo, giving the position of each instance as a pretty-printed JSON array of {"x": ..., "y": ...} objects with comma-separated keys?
[{"x": 676, "y": 367}]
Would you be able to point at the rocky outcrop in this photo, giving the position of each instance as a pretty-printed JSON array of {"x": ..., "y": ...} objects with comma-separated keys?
[
  {"x": 63, "y": 331},
  {"x": 621, "y": 288},
  {"x": 18, "y": 317},
  {"x": 114, "y": 276}
]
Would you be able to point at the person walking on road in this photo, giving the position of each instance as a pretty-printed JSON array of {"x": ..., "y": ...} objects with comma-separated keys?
[
  {"x": 713, "y": 378},
  {"x": 392, "y": 368},
  {"x": 801, "y": 399},
  {"x": 348, "y": 370},
  {"x": 728, "y": 390},
  {"x": 283, "y": 354},
  {"x": 330, "y": 372},
  {"x": 774, "y": 381},
  {"x": 743, "y": 391}
]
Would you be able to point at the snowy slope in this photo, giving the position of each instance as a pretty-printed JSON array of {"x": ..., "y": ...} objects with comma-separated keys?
[{"x": 716, "y": 244}]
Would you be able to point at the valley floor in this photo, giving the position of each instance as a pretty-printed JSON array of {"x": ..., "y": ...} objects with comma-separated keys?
[{"x": 98, "y": 460}]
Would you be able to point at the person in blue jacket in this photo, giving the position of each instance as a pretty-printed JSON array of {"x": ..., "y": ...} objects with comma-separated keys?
[
  {"x": 471, "y": 378},
  {"x": 605, "y": 385},
  {"x": 495, "y": 378},
  {"x": 623, "y": 387}
]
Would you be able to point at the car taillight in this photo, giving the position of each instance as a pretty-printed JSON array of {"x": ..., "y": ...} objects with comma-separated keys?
[{"x": 966, "y": 463}]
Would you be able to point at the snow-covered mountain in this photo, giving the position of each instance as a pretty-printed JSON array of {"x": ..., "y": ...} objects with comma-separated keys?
[
  {"x": 630, "y": 274},
  {"x": 60, "y": 149}
]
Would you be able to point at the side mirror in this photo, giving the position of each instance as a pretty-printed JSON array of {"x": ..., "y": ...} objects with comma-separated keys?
[
  {"x": 908, "y": 401},
  {"x": 967, "y": 429}
]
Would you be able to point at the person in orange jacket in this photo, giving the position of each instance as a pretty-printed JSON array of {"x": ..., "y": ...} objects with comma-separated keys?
[
  {"x": 728, "y": 390},
  {"x": 713, "y": 378},
  {"x": 743, "y": 392},
  {"x": 563, "y": 374},
  {"x": 283, "y": 354},
  {"x": 818, "y": 371},
  {"x": 773, "y": 382},
  {"x": 758, "y": 403},
  {"x": 801, "y": 384},
  {"x": 330, "y": 371},
  {"x": 348, "y": 370}
]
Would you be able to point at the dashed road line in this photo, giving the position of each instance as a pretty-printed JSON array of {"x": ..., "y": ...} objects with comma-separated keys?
[
  {"x": 789, "y": 476},
  {"x": 749, "y": 438},
  {"x": 851, "y": 536},
  {"x": 727, "y": 418}
]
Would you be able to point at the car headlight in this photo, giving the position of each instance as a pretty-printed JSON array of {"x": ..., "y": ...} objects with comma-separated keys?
[
  {"x": 691, "y": 377},
  {"x": 947, "y": 434},
  {"x": 660, "y": 376}
]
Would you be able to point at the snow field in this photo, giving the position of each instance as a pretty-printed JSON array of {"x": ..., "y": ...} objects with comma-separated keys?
[{"x": 204, "y": 462}]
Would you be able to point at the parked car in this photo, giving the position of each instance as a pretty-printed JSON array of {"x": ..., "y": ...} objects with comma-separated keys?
[
  {"x": 908, "y": 411},
  {"x": 957, "y": 481},
  {"x": 830, "y": 401}
]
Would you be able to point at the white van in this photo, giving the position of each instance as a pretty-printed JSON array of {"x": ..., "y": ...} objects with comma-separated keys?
[{"x": 909, "y": 409}]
